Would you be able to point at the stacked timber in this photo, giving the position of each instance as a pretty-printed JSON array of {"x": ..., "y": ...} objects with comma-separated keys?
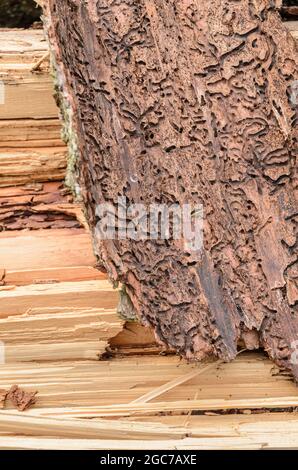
[
  {"x": 154, "y": 402},
  {"x": 54, "y": 303},
  {"x": 58, "y": 316},
  {"x": 30, "y": 143}
]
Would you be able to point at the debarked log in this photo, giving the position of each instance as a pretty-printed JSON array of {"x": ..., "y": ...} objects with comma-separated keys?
[{"x": 190, "y": 103}]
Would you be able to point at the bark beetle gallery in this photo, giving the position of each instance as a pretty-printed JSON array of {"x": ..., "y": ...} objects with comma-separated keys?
[{"x": 196, "y": 99}]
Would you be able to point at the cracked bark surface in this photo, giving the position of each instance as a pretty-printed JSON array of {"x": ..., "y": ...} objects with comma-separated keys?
[{"x": 194, "y": 99}]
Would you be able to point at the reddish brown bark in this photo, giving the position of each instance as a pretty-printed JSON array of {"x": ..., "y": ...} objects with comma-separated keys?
[
  {"x": 21, "y": 399},
  {"x": 194, "y": 99}
]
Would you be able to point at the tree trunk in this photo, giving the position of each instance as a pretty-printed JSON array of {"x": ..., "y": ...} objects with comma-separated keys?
[{"x": 190, "y": 102}]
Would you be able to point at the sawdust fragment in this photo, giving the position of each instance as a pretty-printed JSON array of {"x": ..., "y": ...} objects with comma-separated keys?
[{"x": 21, "y": 399}]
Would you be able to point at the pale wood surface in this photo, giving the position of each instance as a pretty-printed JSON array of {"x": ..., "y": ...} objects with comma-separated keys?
[
  {"x": 30, "y": 133},
  {"x": 43, "y": 251},
  {"x": 35, "y": 165},
  {"x": 82, "y": 294},
  {"x": 72, "y": 390},
  {"x": 31, "y": 149},
  {"x": 266, "y": 431},
  {"x": 28, "y": 97},
  {"x": 58, "y": 312},
  {"x": 92, "y": 389},
  {"x": 27, "y": 94}
]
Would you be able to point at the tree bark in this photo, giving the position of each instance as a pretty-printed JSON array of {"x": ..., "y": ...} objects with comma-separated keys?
[{"x": 191, "y": 102}]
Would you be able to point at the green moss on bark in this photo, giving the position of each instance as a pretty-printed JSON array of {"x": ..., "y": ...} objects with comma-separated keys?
[{"x": 125, "y": 307}]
